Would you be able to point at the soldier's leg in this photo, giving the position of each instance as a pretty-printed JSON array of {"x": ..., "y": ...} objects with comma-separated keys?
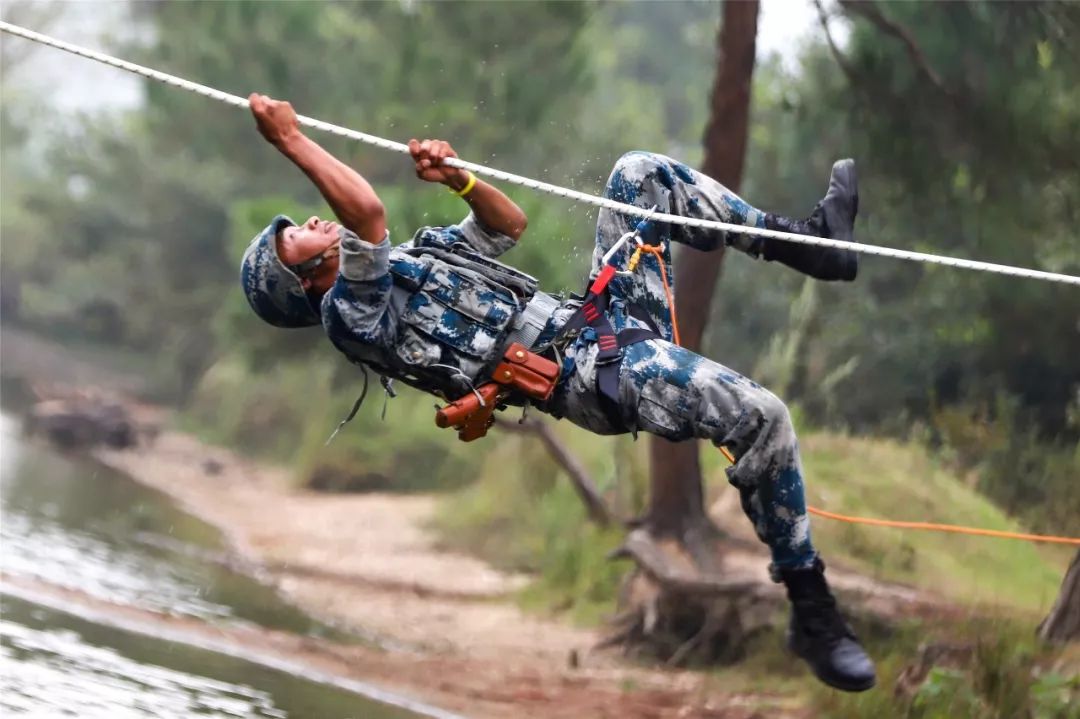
[
  {"x": 645, "y": 179},
  {"x": 675, "y": 393},
  {"x": 672, "y": 392}
]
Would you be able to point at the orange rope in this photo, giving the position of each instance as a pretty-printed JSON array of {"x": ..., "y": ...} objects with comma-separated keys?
[
  {"x": 930, "y": 525},
  {"x": 658, "y": 252},
  {"x": 944, "y": 528}
]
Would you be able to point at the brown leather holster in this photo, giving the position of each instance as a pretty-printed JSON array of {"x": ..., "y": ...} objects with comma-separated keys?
[{"x": 521, "y": 370}]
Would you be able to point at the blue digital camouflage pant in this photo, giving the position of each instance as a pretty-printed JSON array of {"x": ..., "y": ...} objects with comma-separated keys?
[{"x": 677, "y": 394}]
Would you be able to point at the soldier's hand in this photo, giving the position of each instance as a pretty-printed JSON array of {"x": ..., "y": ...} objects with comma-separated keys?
[
  {"x": 275, "y": 119},
  {"x": 429, "y": 155}
]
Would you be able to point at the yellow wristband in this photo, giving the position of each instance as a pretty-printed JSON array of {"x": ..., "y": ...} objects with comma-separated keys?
[{"x": 468, "y": 186}]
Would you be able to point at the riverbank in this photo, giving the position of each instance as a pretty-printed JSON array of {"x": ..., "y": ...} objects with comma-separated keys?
[
  {"x": 445, "y": 627},
  {"x": 441, "y": 626},
  {"x": 448, "y": 633}
]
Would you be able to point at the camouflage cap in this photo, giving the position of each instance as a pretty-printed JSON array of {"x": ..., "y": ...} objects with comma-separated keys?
[{"x": 272, "y": 290}]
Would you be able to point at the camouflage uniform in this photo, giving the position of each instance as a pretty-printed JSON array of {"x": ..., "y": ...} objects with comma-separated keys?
[
  {"x": 412, "y": 318},
  {"x": 677, "y": 394}
]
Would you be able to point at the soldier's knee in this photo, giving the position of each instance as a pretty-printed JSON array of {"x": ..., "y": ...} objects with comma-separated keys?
[
  {"x": 636, "y": 163},
  {"x": 634, "y": 176},
  {"x": 773, "y": 411}
]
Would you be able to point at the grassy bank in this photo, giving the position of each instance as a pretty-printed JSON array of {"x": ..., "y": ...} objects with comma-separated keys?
[
  {"x": 522, "y": 514},
  {"x": 888, "y": 479}
]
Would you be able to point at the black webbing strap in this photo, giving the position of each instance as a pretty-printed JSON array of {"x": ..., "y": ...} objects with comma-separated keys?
[
  {"x": 638, "y": 312},
  {"x": 633, "y": 335},
  {"x": 592, "y": 313}
]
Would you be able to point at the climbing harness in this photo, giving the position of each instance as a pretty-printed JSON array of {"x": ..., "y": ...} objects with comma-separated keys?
[
  {"x": 603, "y": 202},
  {"x": 593, "y": 314}
]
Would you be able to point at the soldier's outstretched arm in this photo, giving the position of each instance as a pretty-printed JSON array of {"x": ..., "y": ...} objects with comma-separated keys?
[
  {"x": 492, "y": 208},
  {"x": 350, "y": 196}
]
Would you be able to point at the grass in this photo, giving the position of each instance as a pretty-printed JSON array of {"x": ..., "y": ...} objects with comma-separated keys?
[
  {"x": 521, "y": 514},
  {"x": 888, "y": 479},
  {"x": 1009, "y": 676}
]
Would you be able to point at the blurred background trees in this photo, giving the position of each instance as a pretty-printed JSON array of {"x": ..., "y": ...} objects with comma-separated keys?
[{"x": 126, "y": 228}]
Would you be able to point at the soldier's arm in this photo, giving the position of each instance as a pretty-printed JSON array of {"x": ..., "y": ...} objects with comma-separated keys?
[
  {"x": 492, "y": 208},
  {"x": 350, "y": 196}
]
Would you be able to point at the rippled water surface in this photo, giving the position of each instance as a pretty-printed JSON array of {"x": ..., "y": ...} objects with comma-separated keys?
[
  {"x": 54, "y": 665},
  {"x": 82, "y": 526},
  {"x": 75, "y": 524}
]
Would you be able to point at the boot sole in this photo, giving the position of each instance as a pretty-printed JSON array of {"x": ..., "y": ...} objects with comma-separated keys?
[
  {"x": 848, "y": 686},
  {"x": 850, "y": 180},
  {"x": 833, "y": 682}
]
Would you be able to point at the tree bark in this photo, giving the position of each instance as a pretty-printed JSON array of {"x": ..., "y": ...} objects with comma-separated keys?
[
  {"x": 676, "y": 482},
  {"x": 682, "y": 603},
  {"x": 1062, "y": 624}
]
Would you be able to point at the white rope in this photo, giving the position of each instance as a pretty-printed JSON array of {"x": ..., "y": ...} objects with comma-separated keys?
[{"x": 544, "y": 186}]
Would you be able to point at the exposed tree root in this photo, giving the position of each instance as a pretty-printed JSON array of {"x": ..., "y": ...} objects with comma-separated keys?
[
  {"x": 1062, "y": 624},
  {"x": 674, "y": 610}
]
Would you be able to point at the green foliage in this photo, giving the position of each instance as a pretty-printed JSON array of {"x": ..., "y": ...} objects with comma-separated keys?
[
  {"x": 1028, "y": 476},
  {"x": 1006, "y": 675},
  {"x": 892, "y": 480},
  {"x": 978, "y": 170}
]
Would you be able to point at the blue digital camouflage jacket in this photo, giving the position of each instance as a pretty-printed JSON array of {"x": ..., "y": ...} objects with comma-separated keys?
[{"x": 411, "y": 316}]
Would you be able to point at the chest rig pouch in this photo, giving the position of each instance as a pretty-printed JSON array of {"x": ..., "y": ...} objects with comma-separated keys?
[{"x": 458, "y": 316}]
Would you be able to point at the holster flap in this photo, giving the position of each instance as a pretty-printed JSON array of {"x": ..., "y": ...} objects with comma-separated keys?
[{"x": 531, "y": 374}]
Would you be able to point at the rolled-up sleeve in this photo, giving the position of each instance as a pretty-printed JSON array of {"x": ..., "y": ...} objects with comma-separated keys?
[
  {"x": 482, "y": 239},
  {"x": 362, "y": 261},
  {"x": 356, "y": 306}
]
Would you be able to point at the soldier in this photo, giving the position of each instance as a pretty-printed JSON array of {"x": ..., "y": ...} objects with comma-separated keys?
[{"x": 438, "y": 313}]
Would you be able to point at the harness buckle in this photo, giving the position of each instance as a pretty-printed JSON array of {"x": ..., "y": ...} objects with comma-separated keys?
[{"x": 614, "y": 358}]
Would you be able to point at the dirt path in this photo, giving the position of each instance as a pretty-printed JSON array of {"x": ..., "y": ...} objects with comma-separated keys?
[
  {"x": 451, "y": 637},
  {"x": 364, "y": 560}
]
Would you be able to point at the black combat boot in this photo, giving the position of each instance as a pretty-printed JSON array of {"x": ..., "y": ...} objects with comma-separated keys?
[
  {"x": 833, "y": 217},
  {"x": 819, "y": 634}
]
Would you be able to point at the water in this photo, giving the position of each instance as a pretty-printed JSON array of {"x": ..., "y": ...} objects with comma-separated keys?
[
  {"x": 56, "y": 665},
  {"x": 80, "y": 525},
  {"x": 75, "y": 524}
]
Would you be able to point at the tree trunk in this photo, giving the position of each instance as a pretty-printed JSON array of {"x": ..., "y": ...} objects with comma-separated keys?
[
  {"x": 676, "y": 497},
  {"x": 1062, "y": 624},
  {"x": 680, "y": 603}
]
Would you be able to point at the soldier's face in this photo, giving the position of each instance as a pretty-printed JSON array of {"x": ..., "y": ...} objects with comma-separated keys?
[{"x": 312, "y": 239}]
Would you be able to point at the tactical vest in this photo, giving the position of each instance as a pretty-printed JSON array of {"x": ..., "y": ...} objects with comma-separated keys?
[{"x": 461, "y": 310}]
